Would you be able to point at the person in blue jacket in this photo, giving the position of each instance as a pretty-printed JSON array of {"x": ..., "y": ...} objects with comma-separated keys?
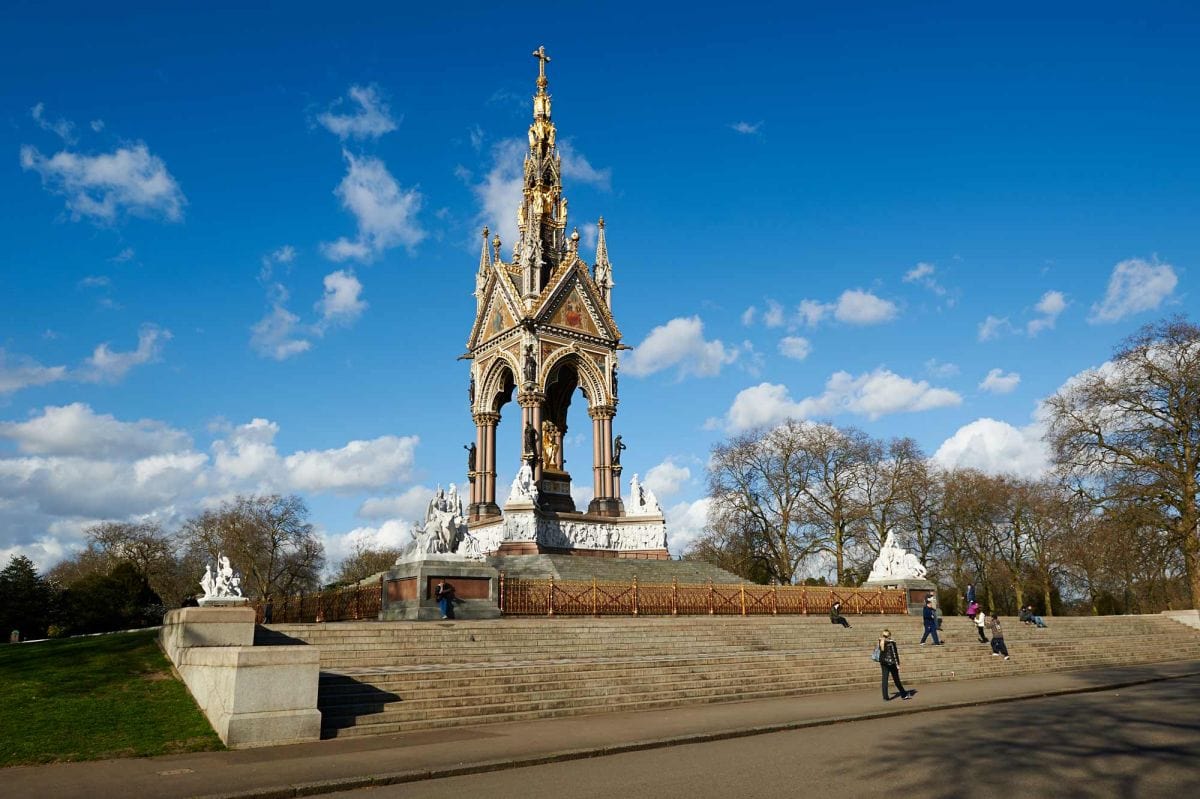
[{"x": 929, "y": 614}]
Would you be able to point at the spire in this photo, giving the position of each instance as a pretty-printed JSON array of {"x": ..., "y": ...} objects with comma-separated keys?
[
  {"x": 485, "y": 264},
  {"x": 602, "y": 273},
  {"x": 542, "y": 217}
]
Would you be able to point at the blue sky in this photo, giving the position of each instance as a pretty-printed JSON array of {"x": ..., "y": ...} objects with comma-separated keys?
[{"x": 238, "y": 248}]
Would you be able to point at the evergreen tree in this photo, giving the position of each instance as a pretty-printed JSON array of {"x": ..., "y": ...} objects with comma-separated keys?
[{"x": 26, "y": 600}]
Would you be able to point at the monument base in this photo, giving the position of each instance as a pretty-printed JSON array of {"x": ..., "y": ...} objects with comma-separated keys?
[
  {"x": 409, "y": 589},
  {"x": 915, "y": 590}
]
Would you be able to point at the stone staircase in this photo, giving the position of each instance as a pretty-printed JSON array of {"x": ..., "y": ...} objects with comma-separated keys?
[
  {"x": 388, "y": 677},
  {"x": 619, "y": 570}
]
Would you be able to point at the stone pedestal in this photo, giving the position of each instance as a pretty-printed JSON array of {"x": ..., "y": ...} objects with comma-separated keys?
[
  {"x": 409, "y": 589},
  {"x": 554, "y": 490},
  {"x": 252, "y": 696},
  {"x": 917, "y": 590}
]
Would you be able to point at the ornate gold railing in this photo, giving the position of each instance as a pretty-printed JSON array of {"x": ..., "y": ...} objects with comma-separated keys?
[
  {"x": 355, "y": 603},
  {"x": 524, "y": 597}
]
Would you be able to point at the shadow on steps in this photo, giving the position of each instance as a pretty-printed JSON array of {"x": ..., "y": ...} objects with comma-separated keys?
[{"x": 344, "y": 700}]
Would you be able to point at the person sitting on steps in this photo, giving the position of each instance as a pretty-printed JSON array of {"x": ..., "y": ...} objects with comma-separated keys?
[{"x": 835, "y": 615}]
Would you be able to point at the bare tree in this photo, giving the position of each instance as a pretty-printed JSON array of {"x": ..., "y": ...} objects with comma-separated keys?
[
  {"x": 266, "y": 537},
  {"x": 365, "y": 562},
  {"x": 756, "y": 482},
  {"x": 836, "y": 461},
  {"x": 1134, "y": 423}
]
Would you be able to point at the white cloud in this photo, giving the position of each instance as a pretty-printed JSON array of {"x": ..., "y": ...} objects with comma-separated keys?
[
  {"x": 370, "y": 120},
  {"x": 685, "y": 524},
  {"x": 811, "y": 312},
  {"x": 667, "y": 478},
  {"x": 773, "y": 316},
  {"x": 1134, "y": 286},
  {"x": 129, "y": 179},
  {"x": 935, "y": 368},
  {"x": 1049, "y": 306},
  {"x": 342, "y": 302},
  {"x": 746, "y": 128},
  {"x": 996, "y": 447},
  {"x": 77, "y": 430},
  {"x": 748, "y": 316},
  {"x": 279, "y": 334},
  {"x": 871, "y": 394},
  {"x": 62, "y": 128},
  {"x": 385, "y": 212},
  {"x": 123, "y": 256},
  {"x": 575, "y": 166},
  {"x": 993, "y": 327},
  {"x": 94, "y": 281},
  {"x": 795, "y": 347},
  {"x": 500, "y": 193},
  {"x": 680, "y": 342},
  {"x": 108, "y": 366},
  {"x": 18, "y": 372},
  {"x": 998, "y": 382},
  {"x": 97, "y": 125},
  {"x": 410, "y": 504},
  {"x": 356, "y": 466},
  {"x": 923, "y": 274},
  {"x": 857, "y": 307}
]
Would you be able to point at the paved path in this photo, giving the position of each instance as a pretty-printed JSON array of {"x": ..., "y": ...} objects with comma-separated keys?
[
  {"x": 1142, "y": 741},
  {"x": 356, "y": 762}
]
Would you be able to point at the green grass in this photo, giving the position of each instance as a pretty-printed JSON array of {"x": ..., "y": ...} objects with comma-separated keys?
[{"x": 91, "y": 698}]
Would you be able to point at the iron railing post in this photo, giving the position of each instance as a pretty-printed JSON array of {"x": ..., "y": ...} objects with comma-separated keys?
[
  {"x": 635, "y": 595},
  {"x": 550, "y": 598}
]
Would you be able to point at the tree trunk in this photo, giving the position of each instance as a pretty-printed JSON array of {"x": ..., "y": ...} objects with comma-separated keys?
[{"x": 1046, "y": 596}]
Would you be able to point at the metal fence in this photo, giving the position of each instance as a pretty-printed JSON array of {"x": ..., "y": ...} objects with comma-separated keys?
[
  {"x": 524, "y": 597},
  {"x": 354, "y": 603}
]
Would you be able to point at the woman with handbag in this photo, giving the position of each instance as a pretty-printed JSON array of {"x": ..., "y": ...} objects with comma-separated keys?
[{"x": 889, "y": 663}]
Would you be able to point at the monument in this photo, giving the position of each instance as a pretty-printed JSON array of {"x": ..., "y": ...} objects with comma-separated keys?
[
  {"x": 543, "y": 334},
  {"x": 896, "y": 567}
]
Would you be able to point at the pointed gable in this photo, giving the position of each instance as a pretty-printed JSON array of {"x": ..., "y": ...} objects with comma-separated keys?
[
  {"x": 572, "y": 302},
  {"x": 496, "y": 315}
]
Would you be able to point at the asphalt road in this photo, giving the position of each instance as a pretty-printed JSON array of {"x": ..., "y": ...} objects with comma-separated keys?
[{"x": 1142, "y": 741}]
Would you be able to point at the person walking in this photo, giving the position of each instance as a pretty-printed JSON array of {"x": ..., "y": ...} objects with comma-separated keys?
[
  {"x": 835, "y": 615},
  {"x": 970, "y": 594},
  {"x": 980, "y": 620},
  {"x": 998, "y": 647},
  {"x": 889, "y": 663},
  {"x": 929, "y": 615},
  {"x": 444, "y": 594}
]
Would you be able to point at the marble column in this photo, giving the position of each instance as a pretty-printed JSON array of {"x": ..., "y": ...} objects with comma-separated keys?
[
  {"x": 485, "y": 477},
  {"x": 604, "y": 502}
]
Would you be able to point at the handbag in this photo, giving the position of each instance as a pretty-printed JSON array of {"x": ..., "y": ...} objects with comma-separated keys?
[{"x": 875, "y": 654}]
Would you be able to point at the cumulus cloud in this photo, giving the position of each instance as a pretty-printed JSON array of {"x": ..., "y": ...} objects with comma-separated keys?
[
  {"x": 857, "y": 307},
  {"x": 795, "y": 347},
  {"x": 499, "y": 194},
  {"x": 62, "y": 128},
  {"x": 369, "y": 120},
  {"x": 71, "y": 467},
  {"x": 1134, "y": 286},
  {"x": 108, "y": 365},
  {"x": 667, "y": 478},
  {"x": 936, "y": 368},
  {"x": 18, "y": 372},
  {"x": 871, "y": 394},
  {"x": 997, "y": 448},
  {"x": 749, "y": 315},
  {"x": 685, "y": 524},
  {"x": 77, "y": 430},
  {"x": 773, "y": 316},
  {"x": 993, "y": 327},
  {"x": 998, "y": 382},
  {"x": 923, "y": 275},
  {"x": 853, "y": 307},
  {"x": 129, "y": 180},
  {"x": 576, "y": 167},
  {"x": 410, "y": 504},
  {"x": 386, "y": 213},
  {"x": 1049, "y": 306},
  {"x": 279, "y": 334},
  {"x": 746, "y": 128},
  {"x": 680, "y": 342},
  {"x": 342, "y": 302}
]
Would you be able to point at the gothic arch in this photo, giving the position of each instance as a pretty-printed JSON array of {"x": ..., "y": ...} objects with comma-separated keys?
[
  {"x": 590, "y": 380},
  {"x": 494, "y": 383}
]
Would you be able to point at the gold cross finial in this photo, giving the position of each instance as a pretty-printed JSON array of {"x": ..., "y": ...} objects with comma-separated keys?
[{"x": 540, "y": 55}]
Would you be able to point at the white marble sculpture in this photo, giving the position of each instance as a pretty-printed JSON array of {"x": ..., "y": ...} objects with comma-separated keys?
[
  {"x": 895, "y": 563},
  {"x": 642, "y": 501},
  {"x": 221, "y": 584},
  {"x": 524, "y": 488},
  {"x": 444, "y": 528}
]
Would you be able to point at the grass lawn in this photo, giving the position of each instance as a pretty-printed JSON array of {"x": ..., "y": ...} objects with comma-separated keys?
[{"x": 91, "y": 698}]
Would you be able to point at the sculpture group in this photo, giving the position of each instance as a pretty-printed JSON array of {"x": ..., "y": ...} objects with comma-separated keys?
[
  {"x": 221, "y": 583},
  {"x": 895, "y": 563}
]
